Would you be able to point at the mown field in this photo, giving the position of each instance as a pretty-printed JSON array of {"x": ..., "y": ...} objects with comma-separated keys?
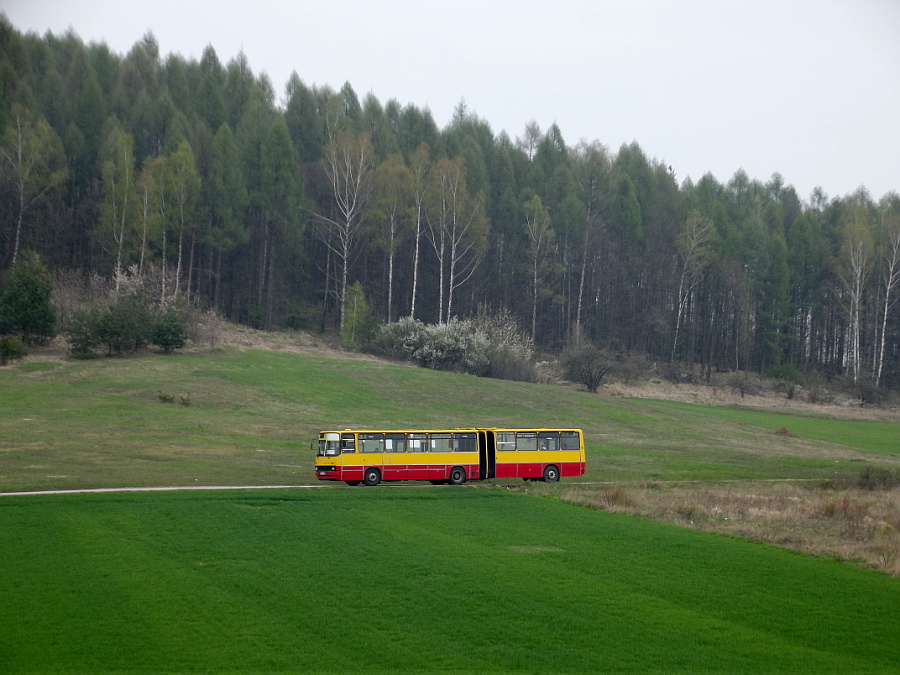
[{"x": 483, "y": 577}]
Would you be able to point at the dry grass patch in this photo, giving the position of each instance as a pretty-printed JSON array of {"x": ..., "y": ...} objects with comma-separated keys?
[{"x": 847, "y": 521}]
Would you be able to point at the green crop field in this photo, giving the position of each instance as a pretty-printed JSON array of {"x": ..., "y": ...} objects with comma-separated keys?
[
  {"x": 461, "y": 579},
  {"x": 483, "y": 577}
]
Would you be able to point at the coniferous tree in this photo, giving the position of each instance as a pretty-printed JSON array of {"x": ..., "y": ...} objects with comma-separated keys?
[{"x": 26, "y": 309}]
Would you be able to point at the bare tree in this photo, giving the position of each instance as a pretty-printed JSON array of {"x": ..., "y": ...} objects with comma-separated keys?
[
  {"x": 540, "y": 241},
  {"x": 532, "y": 138},
  {"x": 583, "y": 362},
  {"x": 591, "y": 163},
  {"x": 349, "y": 166},
  {"x": 693, "y": 249},
  {"x": 391, "y": 212},
  {"x": 855, "y": 266},
  {"x": 420, "y": 171},
  {"x": 457, "y": 227},
  {"x": 890, "y": 270}
]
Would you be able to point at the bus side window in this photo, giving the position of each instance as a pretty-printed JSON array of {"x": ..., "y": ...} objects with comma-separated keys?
[
  {"x": 569, "y": 440},
  {"x": 506, "y": 441},
  {"x": 465, "y": 442},
  {"x": 441, "y": 442},
  {"x": 371, "y": 442},
  {"x": 548, "y": 440},
  {"x": 348, "y": 443},
  {"x": 417, "y": 442},
  {"x": 395, "y": 442},
  {"x": 526, "y": 441}
]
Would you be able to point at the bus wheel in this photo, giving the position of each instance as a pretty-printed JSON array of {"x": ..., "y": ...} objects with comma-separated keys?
[
  {"x": 457, "y": 476},
  {"x": 372, "y": 476},
  {"x": 351, "y": 483},
  {"x": 551, "y": 474}
]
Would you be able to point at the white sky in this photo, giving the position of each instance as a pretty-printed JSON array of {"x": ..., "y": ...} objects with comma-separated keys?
[{"x": 807, "y": 88}]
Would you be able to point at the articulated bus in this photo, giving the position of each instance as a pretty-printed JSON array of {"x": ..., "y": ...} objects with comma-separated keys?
[{"x": 449, "y": 456}]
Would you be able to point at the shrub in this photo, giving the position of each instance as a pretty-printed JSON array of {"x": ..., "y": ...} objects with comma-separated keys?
[
  {"x": 126, "y": 325},
  {"x": 359, "y": 324},
  {"x": 787, "y": 379},
  {"x": 741, "y": 383},
  {"x": 510, "y": 351},
  {"x": 82, "y": 332},
  {"x": 11, "y": 347},
  {"x": 491, "y": 345},
  {"x": 26, "y": 309},
  {"x": 400, "y": 340},
  {"x": 584, "y": 363},
  {"x": 170, "y": 331}
]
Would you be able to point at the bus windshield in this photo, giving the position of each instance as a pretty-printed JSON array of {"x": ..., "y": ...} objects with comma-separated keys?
[{"x": 329, "y": 448}]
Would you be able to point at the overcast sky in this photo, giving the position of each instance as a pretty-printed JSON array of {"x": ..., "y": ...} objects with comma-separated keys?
[{"x": 806, "y": 88}]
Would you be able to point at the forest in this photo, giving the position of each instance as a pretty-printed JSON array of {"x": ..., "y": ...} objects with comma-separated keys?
[{"x": 283, "y": 211}]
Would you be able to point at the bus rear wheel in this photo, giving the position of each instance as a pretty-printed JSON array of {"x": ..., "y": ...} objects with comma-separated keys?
[
  {"x": 457, "y": 475},
  {"x": 372, "y": 476},
  {"x": 551, "y": 474}
]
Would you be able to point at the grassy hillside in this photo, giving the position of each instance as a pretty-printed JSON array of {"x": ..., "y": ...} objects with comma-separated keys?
[
  {"x": 252, "y": 415},
  {"x": 419, "y": 579}
]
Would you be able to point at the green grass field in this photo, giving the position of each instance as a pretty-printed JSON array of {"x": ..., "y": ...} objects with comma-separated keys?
[
  {"x": 417, "y": 579},
  {"x": 252, "y": 416},
  {"x": 476, "y": 578}
]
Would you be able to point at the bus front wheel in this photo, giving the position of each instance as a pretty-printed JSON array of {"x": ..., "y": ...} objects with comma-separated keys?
[
  {"x": 551, "y": 474},
  {"x": 457, "y": 475},
  {"x": 372, "y": 476}
]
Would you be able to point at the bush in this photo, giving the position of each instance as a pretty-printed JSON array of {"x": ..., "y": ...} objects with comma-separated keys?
[
  {"x": 584, "y": 363},
  {"x": 510, "y": 351},
  {"x": 359, "y": 325},
  {"x": 81, "y": 332},
  {"x": 26, "y": 309},
  {"x": 126, "y": 325},
  {"x": 787, "y": 379},
  {"x": 11, "y": 347},
  {"x": 743, "y": 384},
  {"x": 170, "y": 331},
  {"x": 490, "y": 346},
  {"x": 129, "y": 323}
]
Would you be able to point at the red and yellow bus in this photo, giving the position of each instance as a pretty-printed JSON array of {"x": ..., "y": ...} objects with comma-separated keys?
[{"x": 449, "y": 455}]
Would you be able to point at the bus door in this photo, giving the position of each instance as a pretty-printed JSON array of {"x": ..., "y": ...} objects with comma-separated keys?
[
  {"x": 482, "y": 455},
  {"x": 487, "y": 454}
]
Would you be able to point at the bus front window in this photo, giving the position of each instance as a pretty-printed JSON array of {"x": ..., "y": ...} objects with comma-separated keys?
[{"x": 329, "y": 445}]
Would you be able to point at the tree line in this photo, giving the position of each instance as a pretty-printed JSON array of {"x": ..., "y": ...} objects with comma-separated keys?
[{"x": 278, "y": 211}]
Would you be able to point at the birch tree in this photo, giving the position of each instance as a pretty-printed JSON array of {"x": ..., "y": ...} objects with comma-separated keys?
[
  {"x": 391, "y": 213},
  {"x": 457, "y": 230},
  {"x": 118, "y": 193},
  {"x": 592, "y": 168},
  {"x": 32, "y": 159},
  {"x": 694, "y": 251},
  {"x": 540, "y": 238},
  {"x": 890, "y": 270},
  {"x": 420, "y": 175},
  {"x": 184, "y": 186},
  {"x": 349, "y": 167},
  {"x": 855, "y": 266}
]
